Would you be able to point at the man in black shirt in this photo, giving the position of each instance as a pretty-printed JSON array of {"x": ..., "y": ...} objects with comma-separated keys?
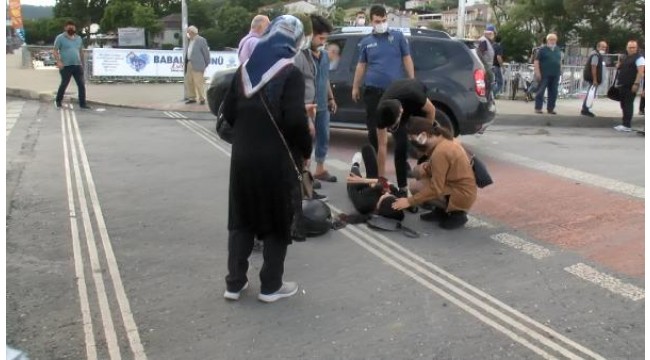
[
  {"x": 630, "y": 73},
  {"x": 400, "y": 101},
  {"x": 498, "y": 63}
]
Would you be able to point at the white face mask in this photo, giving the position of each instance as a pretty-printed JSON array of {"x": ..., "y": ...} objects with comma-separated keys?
[
  {"x": 602, "y": 52},
  {"x": 421, "y": 139},
  {"x": 381, "y": 28},
  {"x": 361, "y": 21}
]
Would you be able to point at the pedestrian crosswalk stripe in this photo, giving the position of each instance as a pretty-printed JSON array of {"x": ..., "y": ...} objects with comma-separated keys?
[{"x": 605, "y": 281}]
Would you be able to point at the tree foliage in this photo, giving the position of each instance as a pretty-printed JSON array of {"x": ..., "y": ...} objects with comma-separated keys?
[
  {"x": 43, "y": 31},
  {"x": 232, "y": 23},
  {"x": 129, "y": 13}
]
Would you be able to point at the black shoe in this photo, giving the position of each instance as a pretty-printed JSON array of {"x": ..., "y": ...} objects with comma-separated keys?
[
  {"x": 316, "y": 185},
  {"x": 587, "y": 113},
  {"x": 85, "y": 107},
  {"x": 435, "y": 215},
  {"x": 190, "y": 102},
  {"x": 57, "y": 105},
  {"x": 202, "y": 102},
  {"x": 552, "y": 112},
  {"x": 317, "y": 196},
  {"x": 453, "y": 220}
]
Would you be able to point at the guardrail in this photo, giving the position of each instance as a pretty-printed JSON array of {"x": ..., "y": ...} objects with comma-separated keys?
[{"x": 517, "y": 77}]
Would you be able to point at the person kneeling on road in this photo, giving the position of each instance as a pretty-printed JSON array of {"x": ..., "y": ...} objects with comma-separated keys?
[
  {"x": 447, "y": 178},
  {"x": 372, "y": 194}
]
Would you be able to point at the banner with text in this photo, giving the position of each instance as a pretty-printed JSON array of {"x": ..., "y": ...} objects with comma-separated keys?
[{"x": 154, "y": 63}]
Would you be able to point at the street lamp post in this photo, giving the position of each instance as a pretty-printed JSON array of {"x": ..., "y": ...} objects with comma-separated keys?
[
  {"x": 184, "y": 37},
  {"x": 460, "y": 31}
]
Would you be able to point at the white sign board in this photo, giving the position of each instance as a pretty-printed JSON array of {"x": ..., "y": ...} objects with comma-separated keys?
[
  {"x": 130, "y": 37},
  {"x": 154, "y": 63}
]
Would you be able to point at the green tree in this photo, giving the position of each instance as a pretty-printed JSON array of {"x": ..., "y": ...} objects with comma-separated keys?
[
  {"x": 517, "y": 42},
  {"x": 337, "y": 17},
  {"x": 201, "y": 13},
  {"x": 127, "y": 13},
  {"x": 232, "y": 23},
  {"x": 43, "y": 31}
]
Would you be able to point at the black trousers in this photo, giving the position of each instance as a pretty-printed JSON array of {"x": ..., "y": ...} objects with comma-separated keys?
[
  {"x": 363, "y": 196},
  {"x": 240, "y": 246},
  {"x": 66, "y": 73},
  {"x": 627, "y": 104},
  {"x": 371, "y": 97}
]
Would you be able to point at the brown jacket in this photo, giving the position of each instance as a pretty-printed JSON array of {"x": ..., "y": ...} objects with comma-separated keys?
[{"x": 450, "y": 174}]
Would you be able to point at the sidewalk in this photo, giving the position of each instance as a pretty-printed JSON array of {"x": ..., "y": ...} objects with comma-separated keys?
[{"x": 42, "y": 85}]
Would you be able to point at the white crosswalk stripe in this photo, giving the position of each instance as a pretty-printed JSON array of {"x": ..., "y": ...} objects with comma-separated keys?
[{"x": 14, "y": 109}]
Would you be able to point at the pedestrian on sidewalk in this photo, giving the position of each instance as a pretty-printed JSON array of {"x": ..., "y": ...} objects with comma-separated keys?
[
  {"x": 266, "y": 109},
  {"x": 68, "y": 52},
  {"x": 197, "y": 59},
  {"x": 486, "y": 53},
  {"x": 630, "y": 73},
  {"x": 497, "y": 67},
  {"x": 325, "y": 102},
  {"x": 248, "y": 42},
  {"x": 547, "y": 73},
  {"x": 593, "y": 74},
  {"x": 384, "y": 56}
]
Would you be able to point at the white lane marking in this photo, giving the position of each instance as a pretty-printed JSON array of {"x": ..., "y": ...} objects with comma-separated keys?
[
  {"x": 482, "y": 305},
  {"x": 474, "y": 222},
  {"x": 389, "y": 260},
  {"x": 122, "y": 300},
  {"x": 102, "y": 298},
  {"x": 546, "y": 330},
  {"x": 577, "y": 175},
  {"x": 91, "y": 346},
  {"x": 534, "y": 250},
  {"x": 198, "y": 132},
  {"x": 605, "y": 281},
  {"x": 14, "y": 109}
]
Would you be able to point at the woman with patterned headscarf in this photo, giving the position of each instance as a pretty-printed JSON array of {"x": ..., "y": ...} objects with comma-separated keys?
[{"x": 263, "y": 178}]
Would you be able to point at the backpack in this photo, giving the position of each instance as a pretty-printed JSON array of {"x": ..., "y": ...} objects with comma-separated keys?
[{"x": 586, "y": 72}]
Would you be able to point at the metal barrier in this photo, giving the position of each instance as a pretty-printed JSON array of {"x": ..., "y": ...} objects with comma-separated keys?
[{"x": 517, "y": 78}]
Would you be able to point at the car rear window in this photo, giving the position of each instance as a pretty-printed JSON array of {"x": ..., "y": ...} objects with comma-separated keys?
[{"x": 428, "y": 55}]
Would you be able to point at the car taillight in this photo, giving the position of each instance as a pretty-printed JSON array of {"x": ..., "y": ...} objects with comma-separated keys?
[{"x": 479, "y": 79}]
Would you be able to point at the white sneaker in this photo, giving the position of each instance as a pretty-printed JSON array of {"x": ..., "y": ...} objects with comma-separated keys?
[
  {"x": 357, "y": 159},
  {"x": 622, "y": 128},
  {"x": 287, "y": 289},
  {"x": 234, "y": 296}
]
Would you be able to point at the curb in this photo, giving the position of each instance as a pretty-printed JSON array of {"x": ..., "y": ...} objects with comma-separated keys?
[
  {"x": 537, "y": 120},
  {"x": 578, "y": 121}
]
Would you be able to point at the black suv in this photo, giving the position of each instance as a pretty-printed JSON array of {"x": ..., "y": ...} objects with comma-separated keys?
[{"x": 451, "y": 71}]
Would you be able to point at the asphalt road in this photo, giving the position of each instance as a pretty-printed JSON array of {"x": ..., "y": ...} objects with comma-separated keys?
[{"x": 116, "y": 248}]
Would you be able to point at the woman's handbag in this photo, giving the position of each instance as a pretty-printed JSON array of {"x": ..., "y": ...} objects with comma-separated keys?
[
  {"x": 481, "y": 173},
  {"x": 224, "y": 130},
  {"x": 614, "y": 92}
]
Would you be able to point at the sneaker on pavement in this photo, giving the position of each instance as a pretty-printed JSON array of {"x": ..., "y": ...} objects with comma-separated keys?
[
  {"x": 287, "y": 289},
  {"x": 622, "y": 128},
  {"x": 234, "y": 296},
  {"x": 357, "y": 159},
  {"x": 587, "y": 113},
  {"x": 317, "y": 196},
  {"x": 538, "y": 111},
  {"x": 57, "y": 105},
  {"x": 316, "y": 185}
]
